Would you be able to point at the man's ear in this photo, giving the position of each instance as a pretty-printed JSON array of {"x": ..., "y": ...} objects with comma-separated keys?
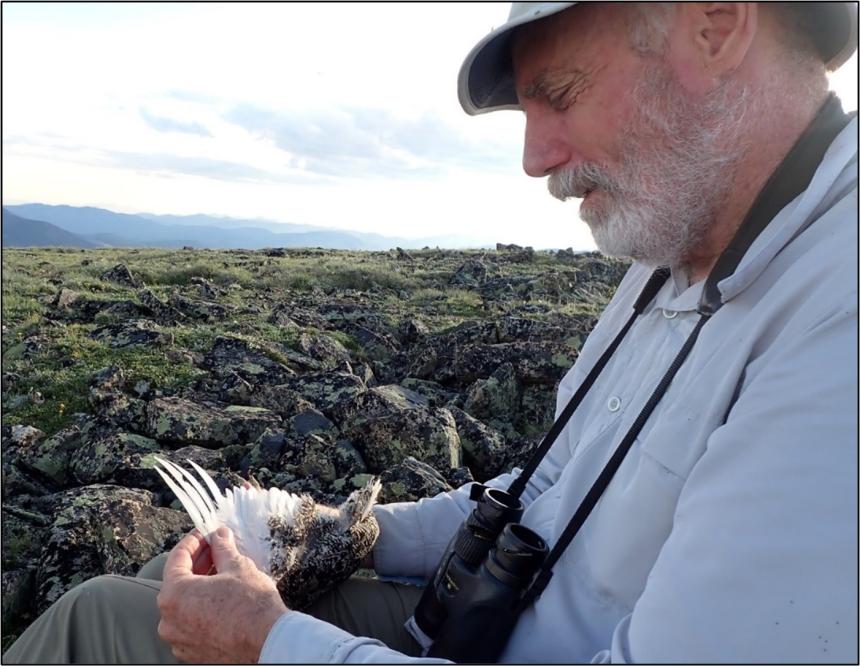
[{"x": 711, "y": 39}]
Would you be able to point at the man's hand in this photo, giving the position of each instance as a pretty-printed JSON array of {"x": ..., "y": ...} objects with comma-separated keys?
[{"x": 220, "y": 618}]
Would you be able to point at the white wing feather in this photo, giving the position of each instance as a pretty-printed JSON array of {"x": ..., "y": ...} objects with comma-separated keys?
[{"x": 246, "y": 511}]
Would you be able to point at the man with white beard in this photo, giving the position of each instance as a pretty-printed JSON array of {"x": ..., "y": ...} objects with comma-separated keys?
[{"x": 706, "y": 440}]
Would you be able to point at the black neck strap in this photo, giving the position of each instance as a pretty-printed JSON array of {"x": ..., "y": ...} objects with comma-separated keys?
[
  {"x": 791, "y": 178},
  {"x": 655, "y": 282}
]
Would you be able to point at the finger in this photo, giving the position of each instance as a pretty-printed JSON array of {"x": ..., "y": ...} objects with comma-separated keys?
[
  {"x": 225, "y": 556},
  {"x": 180, "y": 562},
  {"x": 202, "y": 561}
]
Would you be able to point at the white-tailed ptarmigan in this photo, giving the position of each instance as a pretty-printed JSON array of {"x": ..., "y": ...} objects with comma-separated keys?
[{"x": 306, "y": 548}]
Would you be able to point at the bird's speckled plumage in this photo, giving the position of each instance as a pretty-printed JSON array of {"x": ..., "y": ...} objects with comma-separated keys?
[{"x": 306, "y": 548}]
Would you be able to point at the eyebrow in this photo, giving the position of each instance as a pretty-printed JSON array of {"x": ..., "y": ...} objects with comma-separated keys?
[{"x": 548, "y": 82}]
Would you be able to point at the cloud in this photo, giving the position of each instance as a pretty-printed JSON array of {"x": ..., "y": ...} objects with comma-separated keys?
[
  {"x": 191, "y": 96},
  {"x": 170, "y": 125},
  {"x": 203, "y": 167},
  {"x": 361, "y": 142}
]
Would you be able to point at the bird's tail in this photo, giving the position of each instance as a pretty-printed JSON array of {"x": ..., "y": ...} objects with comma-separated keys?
[
  {"x": 359, "y": 504},
  {"x": 200, "y": 502}
]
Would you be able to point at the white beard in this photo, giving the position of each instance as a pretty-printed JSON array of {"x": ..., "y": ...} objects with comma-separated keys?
[{"x": 676, "y": 170}]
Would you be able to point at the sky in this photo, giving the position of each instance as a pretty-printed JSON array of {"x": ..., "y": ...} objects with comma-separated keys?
[{"x": 336, "y": 115}]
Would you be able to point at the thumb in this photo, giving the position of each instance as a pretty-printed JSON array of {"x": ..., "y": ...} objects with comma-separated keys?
[{"x": 225, "y": 556}]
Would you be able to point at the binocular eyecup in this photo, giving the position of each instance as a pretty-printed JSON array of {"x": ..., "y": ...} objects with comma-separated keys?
[{"x": 483, "y": 574}]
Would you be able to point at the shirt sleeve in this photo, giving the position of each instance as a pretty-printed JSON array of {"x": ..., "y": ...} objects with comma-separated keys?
[
  {"x": 761, "y": 563},
  {"x": 413, "y": 535},
  {"x": 298, "y": 638}
]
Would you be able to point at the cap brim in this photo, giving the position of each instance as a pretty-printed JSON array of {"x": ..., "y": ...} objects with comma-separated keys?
[{"x": 486, "y": 79}]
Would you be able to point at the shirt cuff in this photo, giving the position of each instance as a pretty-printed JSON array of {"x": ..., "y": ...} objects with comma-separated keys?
[{"x": 298, "y": 638}]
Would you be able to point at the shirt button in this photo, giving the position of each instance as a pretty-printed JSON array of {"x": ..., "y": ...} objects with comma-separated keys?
[
  {"x": 670, "y": 314},
  {"x": 613, "y": 404}
]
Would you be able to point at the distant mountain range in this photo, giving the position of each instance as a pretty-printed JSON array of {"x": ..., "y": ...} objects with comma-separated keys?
[
  {"x": 41, "y": 225},
  {"x": 21, "y": 232}
]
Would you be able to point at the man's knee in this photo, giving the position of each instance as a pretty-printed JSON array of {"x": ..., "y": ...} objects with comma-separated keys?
[{"x": 109, "y": 592}]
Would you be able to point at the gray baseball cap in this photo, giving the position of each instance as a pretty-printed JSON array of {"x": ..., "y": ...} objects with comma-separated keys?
[{"x": 486, "y": 80}]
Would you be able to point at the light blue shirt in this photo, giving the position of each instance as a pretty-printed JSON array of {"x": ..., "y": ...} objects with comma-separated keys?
[{"x": 729, "y": 534}]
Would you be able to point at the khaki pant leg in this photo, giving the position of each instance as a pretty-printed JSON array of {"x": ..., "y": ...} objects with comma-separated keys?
[
  {"x": 106, "y": 620},
  {"x": 153, "y": 569},
  {"x": 114, "y": 619},
  {"x": 367, "y": 607}
]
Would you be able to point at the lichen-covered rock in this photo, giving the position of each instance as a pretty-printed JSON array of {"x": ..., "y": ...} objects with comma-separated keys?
[
  {"x": 281, "y": 400},
  {"x": 180, "y": 422},
  {"x": 254, "y": 363},
  {"x": 312, "y": 421},
  {"x": 411, "y": 480},
  {"x": 365, "y": 373},
  {"x": 140, "y": 332},
  {"x": 522, "y": 329},
  {"x": 111, "y": 403},
  {"x": 24, "y": 436},
  {"x": 527, "y": 254},
  {"x": 496, "y": 398},
  {"x": 326, "y": 390},
  {"x": 290, "y": 316},
  {"x": 233, "y": 388},
  {"x": 483, "y": 447},
  {"x": 537, "y": 409},
  {"x": 161, "y": 312},
  {"x": 23, "y": 535},
  {"x": 435, "y": 394},
  {"x": 324, "y": 348},
  {"x": 377, "y": 345},
  {"x": 65, "y": 299},
  {"x": 115, "y": 458},
  {"x": 389, "y": 423},
  {"x": 458, "y": 476},
  {"x": 102, "y": 529},
  {"x": 471, "y": 273},
  {"x": 106, "y": 380},
  {"x": 206, "y": 289},
  {"x": 265, "y": 452},
  {"x": 308, "y": 456},
  {"x": 46, "y": 459},
  {"x": 198, "y": 309},
  {"x": 411, "y": 330},
  {"x": 19, "y": 483},
  {"x": 121, "y": 275},
  {"x": 108, "y": 312},
  {"x": 347, "y": 459}
]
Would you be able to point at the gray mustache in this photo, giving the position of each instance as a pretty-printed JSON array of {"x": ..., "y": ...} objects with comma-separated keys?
[{"x": 577, "y": 182}]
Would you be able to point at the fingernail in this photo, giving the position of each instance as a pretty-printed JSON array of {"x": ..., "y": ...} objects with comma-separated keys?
[{"x": 223, "y": 532}]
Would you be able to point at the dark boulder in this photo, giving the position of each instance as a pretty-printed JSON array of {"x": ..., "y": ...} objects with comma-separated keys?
[
  {"x": 121, "y": 275},
  {"x": 102, "y": 529},
  {"x": 179, "y": 422},
  {"x": 410, "y": 480}
]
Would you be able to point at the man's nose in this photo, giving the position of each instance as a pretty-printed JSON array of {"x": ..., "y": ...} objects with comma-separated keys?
[{"x": 545, "y": 147}]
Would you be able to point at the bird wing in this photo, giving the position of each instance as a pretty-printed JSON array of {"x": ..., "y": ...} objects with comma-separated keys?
[{"x": 246, "y": 511}]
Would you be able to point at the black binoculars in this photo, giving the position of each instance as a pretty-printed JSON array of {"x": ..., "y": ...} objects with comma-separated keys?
[{"x": 470, "y": 607}]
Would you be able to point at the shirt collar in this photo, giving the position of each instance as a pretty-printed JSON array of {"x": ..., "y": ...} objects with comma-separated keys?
[{"x": 837, "y": 170}]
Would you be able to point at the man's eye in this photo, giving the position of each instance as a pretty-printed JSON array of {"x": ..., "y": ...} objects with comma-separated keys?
[{"x": 560, "y": 101}]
